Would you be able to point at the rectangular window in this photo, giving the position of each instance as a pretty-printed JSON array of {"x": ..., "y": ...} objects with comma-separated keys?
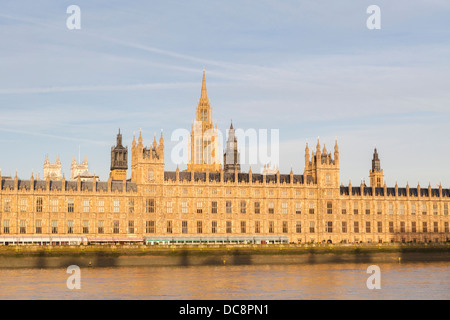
[
  {"x": 228, "y": 207},
  {"x": 298, "y": 227},
  {"x": 243, "y": 207},
  {"x": 311, "y": 227},
  {"x": 150, "y": 206},
  {"x": 54, "y": 226},
  {"x": 85, "y": 226},
  {"x": 243, "y": 227},
  {"x": 214, "y": 207},
  {"x": 344, "y": 226},
  {"x": 23, "y": 205},
  {"x": 356, "y": 226},
  {"x": 184, "y": 226},
  {"x": 70, "y": 226},
  {"x": 130, "y": 205},
  {"x": 199, "y": 207},
  {"x": 329, "y": 207},
  {"x": 184, "y": 207},
  {"x": 424, "y": 209},
  {"x": 101, "y": 205},
  {"x": 413, "y": 209},
  {"x": 311, "y": 208},
  {"x": 424, "y": 227},
  {"x": 150, "y": 226},
  {"x": 38, "y": 226},
  {"x": 214, "y": 226},
  {"x": 379, "y": 208},
  {"x": 39, "y": 204},
  {"x": 116, "y": 226},
  {"x": 169, "y": 226},
  {"x": 86, "y": 205},
  {"x": 6, "y": 226},
  {"x": 7, "y": 205},
  {"x": 101, "y": 227},
  {"x": 402, "y": 227},
  {"x": 284, "y": 207},
  {"x": 257, "y": 207},
  {"x": 54, "y": 205},
  {"x": 367, "y": 207},
  {"x": 329, "y": 226},
  {"x": 298, "y": 207},
  {"x": 344, "y": 207},
  {"x": 435, "y": 209},
  {"x": 116, "y": 204},
  {"x": 413, "y": 227},
  {"x": 402, "y": 208},
  {"x": 368, "y": 229},
  {"x": 285, "y": 227},
  {"x": 445, "y": 209},
  {"x": 435, "y": 227},
  {"x": 446, "y": 226},
  {"x": 391, "y": 227},
  {"x": 391, "y": 208},
  {"x": 169, "y": 207},
  {"x": 131, "y": 226},
  {"x": 23, "y": 226},
  {"x": 271, "y": 227},
  {"x": 355, "y": 208},
  {"x": 257, "y": 226},
  {"x": 199, "y": 226},
  {"x": 229, "y": 227},
  {"x": 70, "y": 206},
  {"x": 380, "y": 226},
  {"x": 271, "y": 207}
]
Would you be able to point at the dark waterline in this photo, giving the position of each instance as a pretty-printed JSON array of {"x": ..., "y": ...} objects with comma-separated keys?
[{"x": 428, "y": 280}]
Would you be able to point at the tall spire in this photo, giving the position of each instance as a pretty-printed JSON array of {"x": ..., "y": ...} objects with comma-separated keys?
[{"x": 203, "y": 95}]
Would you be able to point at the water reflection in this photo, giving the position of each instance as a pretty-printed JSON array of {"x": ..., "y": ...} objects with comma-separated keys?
[{"x": 319, "y": 281}]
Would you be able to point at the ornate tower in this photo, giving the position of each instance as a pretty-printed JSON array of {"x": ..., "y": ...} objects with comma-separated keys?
[
  {"x": 78, "y": 169},
  {"x": 119, "y": 160},
  {"x": 231, "y": 157},
  {"x": 52, "y": 170},
  {"x": 147, "y": 163},
  {"x": 204, "y": 141},
  {"x": 376, "y": 174},
  {"x": 321, "y": 168}
]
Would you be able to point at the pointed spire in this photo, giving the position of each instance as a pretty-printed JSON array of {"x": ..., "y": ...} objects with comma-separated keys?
[
  {"x": 140, "y": 137},
  {"x": 161, "y": 139},
  {"x": 203, "y": 95}
]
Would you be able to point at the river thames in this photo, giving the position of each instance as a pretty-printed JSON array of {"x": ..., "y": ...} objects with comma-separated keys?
[{"x": 427, "y": 280}]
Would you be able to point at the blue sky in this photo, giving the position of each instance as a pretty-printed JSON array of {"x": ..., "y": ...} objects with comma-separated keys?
[{"x": 308, "y": 68}]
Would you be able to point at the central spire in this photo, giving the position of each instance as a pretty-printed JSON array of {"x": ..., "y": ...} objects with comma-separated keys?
[{"x": 204, "y": 95}]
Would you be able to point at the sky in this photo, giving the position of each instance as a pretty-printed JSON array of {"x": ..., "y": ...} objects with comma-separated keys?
[{"x": 309, "y": 69}]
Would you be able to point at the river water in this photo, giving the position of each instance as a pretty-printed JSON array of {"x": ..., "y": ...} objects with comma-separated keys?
[{"x": 429, "y": 280}]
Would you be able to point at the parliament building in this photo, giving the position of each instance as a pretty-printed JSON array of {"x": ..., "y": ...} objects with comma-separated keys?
[{"x": 215, "y": 202}]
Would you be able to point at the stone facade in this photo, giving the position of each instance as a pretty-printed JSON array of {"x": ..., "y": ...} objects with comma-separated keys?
[{"x": 312, "y": 206}]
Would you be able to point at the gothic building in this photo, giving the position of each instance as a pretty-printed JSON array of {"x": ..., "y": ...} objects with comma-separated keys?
[{"x": 215, "y": 203}]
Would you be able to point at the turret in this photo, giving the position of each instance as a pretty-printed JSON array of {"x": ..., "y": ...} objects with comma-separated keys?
[
  {"x": 119, "y": 160},
  {"x": 376, "y": 174}
]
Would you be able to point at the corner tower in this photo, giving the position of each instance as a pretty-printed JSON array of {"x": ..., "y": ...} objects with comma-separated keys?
[{"x": 376, "y": 174}]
